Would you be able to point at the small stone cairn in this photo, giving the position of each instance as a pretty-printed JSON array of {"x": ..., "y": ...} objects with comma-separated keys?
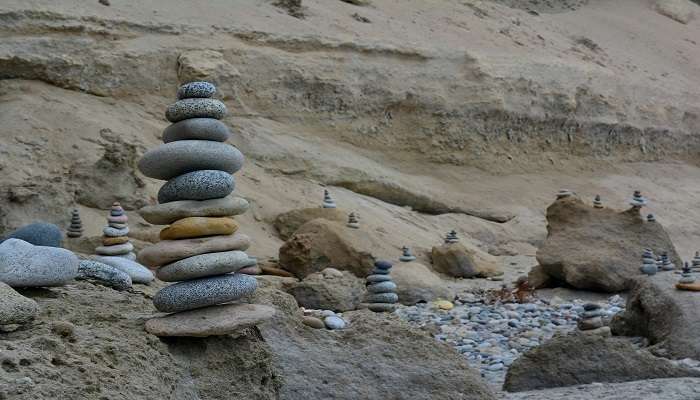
[
  {"x": 328, "y": 201},
  {"x": 75, "y": 230},
  {"x": 649, "y": 265},
  {"x": 591, "y": 321},
  {"x": 695, "y": 267},
  {"x": 407, "y": 256},
  {"x": 597, "y": 203},
  {"x": 197, "y": 166},
  {"x": 638, "y": 201},
  {"x": 381, "y": 289},
  {"x": 665, "y": 262},
  {"x": 451, "y": 237},
  {"x": 686, "y": 275},
  {"x": 353, "y": 222},
  {"x": 115, "y": 241},
  {"x": 651, "y": 218},
  {"x": 564, "y": 193}
]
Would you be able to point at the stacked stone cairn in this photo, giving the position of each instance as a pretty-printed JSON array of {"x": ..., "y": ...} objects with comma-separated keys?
[
  {"x": 115, "y": 241},
  {"x": 665, "y": 262},
  {"x": 407, "y": 256},
  {"x": 195, "y": 200},
  {"x": 353, "y": 221},
  {"x": 686, "y": 275},
  {"x": 651, "y": 218},
  {"x": 638, "y": 201},
  {"x": 649, "y": 265},
  {"x": 381, "y": 289},
  {"x": 451, "y": 237},
  {"x": 564, "y": 193},
  {"x": 591, "y": 321},
  {"x": 597, "y": 203},
  {"x": 328, "y": 201},
  {"x": 695, "y": 267},
  {"x": 75, "y": 230}
]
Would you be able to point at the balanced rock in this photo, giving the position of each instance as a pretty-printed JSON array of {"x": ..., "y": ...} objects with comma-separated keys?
[
  {"x": 177, "y": 158},
  {"x": 597, "y": 249},
  {"x": 324, "y": 291},
  {"x": 38, "y": 234},
  {"x": 197, "y": 185},
  {"x": 353, "y": 222},
  {"x": 666, "y": 263},
  {"x": 25, "y": 265},
  {"x": 459, "y": 261},
  {"x": 164, "y": 214},
  {"x": 203, "y": 265},
  {"x": 197, "y": 129},
  {"x": 406, "y": 255},
  {"x": 15, "y": 309},
  {"x": 696, "y": 262},
  {"x": 192, "y": 227},
  {"x": 649, "y": 266},
  {"x": 137, "y": 272},
  {"x": 451, "y": 237},
  {"x": 203, "y": 292},
  {"x": 289, "y": 222},
  {"x": 651, "y": 218},
  {"x": 195, "y": 108},
  {"x": 167, "y": 251},
  {"x": 75, "y": 230},
  {"x": 381, "y": 294},
  {"x": 104, "y": 274},
  {"x": 210, "y": 321},
  {"x": 686, "y": 275},
  {"x": 597, "y": 203},
  {"x": 638, "y": 201},
  {"x": 328, "y": 201}
]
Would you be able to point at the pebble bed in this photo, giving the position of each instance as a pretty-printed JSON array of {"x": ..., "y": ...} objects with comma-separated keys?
[{"x": 492, "y": 336}]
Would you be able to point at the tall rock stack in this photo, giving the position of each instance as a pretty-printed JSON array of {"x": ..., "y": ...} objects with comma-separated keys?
[
  {"x": 75, "y": 230},
  {"x": 353, "y": 222},
  {"x": 406, "y": 255},
  {"x": 381, "y": 289},
  {"x": 564, "y": 193},
  {"x": 686, "y": 275},
  {"x": 695, "y": 267},
  {"x": 328, "y": 201},
  {"x": 649, "y": 264},
  {"x": 451, "y": 237},
  {"x": 199, "y": 249},
  {"x": 115, "y": 241},
  {"x": 666, "y": 263},
  {"x": 597, "y": 203},
  {"x": 638, "y": 201}
]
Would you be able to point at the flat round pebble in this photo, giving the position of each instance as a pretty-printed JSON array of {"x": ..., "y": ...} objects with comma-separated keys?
[
  {"x": 197, "y": 89},
  {"x": 197, "y": 129},
  {"x": 382, "y": 287},
  {"x": 378, "y": 278},
  {"x": 115, "y": 232},
  {"x": 334, "y": 322},
  {"x": 195, "y": 108},
  {"x": 115, "y": 250},
  {"x": 164, "y": 214},
  {"x": 197, "y": 185},
  {"x": 204, "y": 292},
  {"x": 383, "y": 298},
  {"x": 381, "y": 307},
  {"x": 176, "y": 158},
  {"x": 203, "y": 265}
]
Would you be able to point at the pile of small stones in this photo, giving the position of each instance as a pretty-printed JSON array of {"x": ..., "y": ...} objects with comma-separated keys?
[
  {"x": 203, "y": 254},
  {"x": 492, "y": 336},
  {"x": 319, "y": 319},
  {"x": 115, "y": 241},
  {"x": 75, "y": 230},
  {"x": 381, "y": 289}
]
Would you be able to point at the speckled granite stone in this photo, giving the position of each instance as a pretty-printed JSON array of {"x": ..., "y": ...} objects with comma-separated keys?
[
  {"x": 204, "y": 292},
  {"x": 39, "y": 234},
  {"x": 106, "y": 275},
  {"x": 176, "y": 158},
  {"x": 199, "y": 89},
  {"x": 383, "y": 298},
  {"x": 203, "y": 265},
  {"x": 137, "y": 272},
  {"x": 195, "y": 108},
  {"x": 197, "y": 185},
  {"x": 197, "y": 129},
  {"x": 24, "y": 265},
  {"x": 114, "y": 232}
]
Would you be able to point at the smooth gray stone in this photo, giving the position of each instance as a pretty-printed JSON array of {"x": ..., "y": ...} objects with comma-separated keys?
[
  {"x": 176, "y": 158},
  {"x": 39, "y": 234},
  {"x": 197, "y": 185},
  {"x": 381, "y": 307},
  {"x": 114, "y": 232},
  {"x": 198, "y": 89},
  {"x": 382, "y": 287},
  {"x": 137, "y": 272},
  {"x": 25, "y": 265},
  {"x": 129, "y": 256},
  {"x": 334, "y": 322},
  {"x": 118, "y": 225},
  {"x": 197, "y": 129},
  {"x": 378, "y": 278},
  {"x": 202, "y": 265},
  {"x": 378, "y": 271},
  {"x": 204, "y": 292},
  {"x": 383, "y": 298},
  {"x": 195, "y": 108},
  {"x": 15, "y": 308},
  {"x": 115, "y": 250},
  {"x": 164, "y": 214},
  {"x": 104, "y": 274}
]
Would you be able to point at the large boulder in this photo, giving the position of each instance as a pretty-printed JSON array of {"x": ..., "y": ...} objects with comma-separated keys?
[
  {"x": 38, "y": 234},
  {"x": 15, "y": 309},
  {"x": 459, "y": 261},
  {"x": 329, "y": 290},
  {"x": 320, "y": 244},
  {"x": 598, "y": 249},
  {"x": 668, "y": 317},
  {"x": 287, "y": 223},
  {"x": 417, "y": 283},
  {"x": 25, "y": 265},
  {"x": 376, "y": 357},
  {"x": 682, "y": 11},
  {"x": 579, "y": 359}
]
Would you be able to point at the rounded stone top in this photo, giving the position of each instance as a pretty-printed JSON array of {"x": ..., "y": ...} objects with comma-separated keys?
[
  {"x": 176, "y": 158},
  {"x": 383, "y": 264},
  {"x": 199, "y": 89}
]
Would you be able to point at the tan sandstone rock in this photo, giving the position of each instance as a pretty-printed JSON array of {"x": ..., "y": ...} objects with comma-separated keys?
[
  {"x": 328, "y": 291},
  {"x": 287, "y": 223},
  {"x": 167, "y": 251},
  {"x": 417, "y": 283},
  {"x": 459, "y": 261},
  {"x": 210, "y": 321}
]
